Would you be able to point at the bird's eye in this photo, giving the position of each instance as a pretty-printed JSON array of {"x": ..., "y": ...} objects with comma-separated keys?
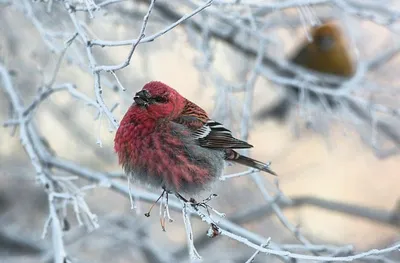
[{"x": 160, "y": 99}]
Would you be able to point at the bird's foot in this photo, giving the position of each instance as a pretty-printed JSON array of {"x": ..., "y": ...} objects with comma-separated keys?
[
  {"x": 203, "y": 204},
  {"x": 214, "y": 229}
]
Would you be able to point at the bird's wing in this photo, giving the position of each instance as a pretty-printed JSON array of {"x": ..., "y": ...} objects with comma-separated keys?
[
  {"x": 214, "y": 135},
  {"x": 208, "y": 133}
]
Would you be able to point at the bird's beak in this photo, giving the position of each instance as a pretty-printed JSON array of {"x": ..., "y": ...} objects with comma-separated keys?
[{"x": 142, "y": 98}]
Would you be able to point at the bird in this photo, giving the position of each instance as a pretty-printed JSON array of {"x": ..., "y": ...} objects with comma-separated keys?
[
  {"x": 166, "y": 141},
  {"x": 327, "y": 53}
]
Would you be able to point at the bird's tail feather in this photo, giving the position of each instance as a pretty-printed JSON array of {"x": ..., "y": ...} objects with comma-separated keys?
[
  {"x": 247, "y": 161},
  {"x": 278, "y": 111}
]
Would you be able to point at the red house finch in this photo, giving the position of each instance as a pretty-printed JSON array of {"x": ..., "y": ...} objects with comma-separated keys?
[
  {"x": 326, "y": 53},
  {"x": 167, "y": 141}
]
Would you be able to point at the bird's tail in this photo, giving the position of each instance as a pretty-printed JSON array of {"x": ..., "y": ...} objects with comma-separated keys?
[
  {"x": 238, "y": 158},
  {"x": 279, "y": 111}
]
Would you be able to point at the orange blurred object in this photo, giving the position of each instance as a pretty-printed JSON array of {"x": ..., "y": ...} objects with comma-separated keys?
[{"x": 327, "y": 53}]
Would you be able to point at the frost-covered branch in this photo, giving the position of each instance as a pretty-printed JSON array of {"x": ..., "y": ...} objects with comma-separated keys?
[{"x": 243, "y": 26}]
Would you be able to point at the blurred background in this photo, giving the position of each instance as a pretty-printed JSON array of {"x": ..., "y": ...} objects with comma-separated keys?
[{"x": 313, "y": 85}]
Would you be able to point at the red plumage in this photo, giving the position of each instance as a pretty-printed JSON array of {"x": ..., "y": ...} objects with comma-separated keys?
[{"x": 167, "y": 141}]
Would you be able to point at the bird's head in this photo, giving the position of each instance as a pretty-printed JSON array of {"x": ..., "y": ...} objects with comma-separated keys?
[
  {"x": 159, "y": 100},
  {"x": 327, "y": 37}
]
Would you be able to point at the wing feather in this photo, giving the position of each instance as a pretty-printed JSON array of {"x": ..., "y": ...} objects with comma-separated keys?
[{"x": 208, "y": 133}]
